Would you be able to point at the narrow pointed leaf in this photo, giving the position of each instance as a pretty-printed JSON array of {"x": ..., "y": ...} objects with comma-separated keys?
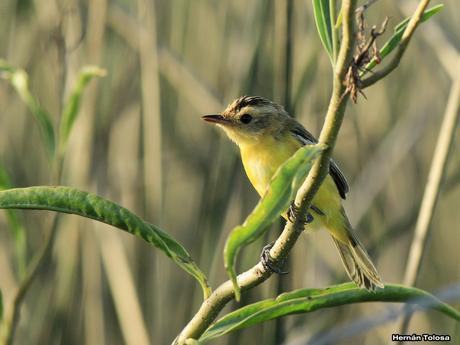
[
  {"x": 20, "y": 81},
  {"x": 321, "y": 13},
  {"x": 72, "y": 106},
  {"x": 399, "y": 29},
  {"x": 73, "y": 201},
  {"x": 309, "y": 300},
  {"x": 276, "y": 200}
]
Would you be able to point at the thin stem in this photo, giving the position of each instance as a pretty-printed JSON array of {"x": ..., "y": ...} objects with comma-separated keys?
[
  {"x": 11, "y": 319},
  {"x": 283, "y": 245},
  {"x": 432, "y": 189},
  {"x": 335, "y": 37},
  {"x": 407, "y": 35},
  {"x": 366, "y": 5}
]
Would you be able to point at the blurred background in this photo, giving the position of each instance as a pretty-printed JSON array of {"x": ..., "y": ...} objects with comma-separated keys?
[{"x": 139, "y": 141}]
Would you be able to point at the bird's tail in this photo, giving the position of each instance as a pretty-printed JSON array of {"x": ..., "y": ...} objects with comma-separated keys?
[{"x": 357, "y": 263}]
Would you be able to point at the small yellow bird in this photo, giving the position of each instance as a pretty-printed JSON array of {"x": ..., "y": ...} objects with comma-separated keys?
[{"x": 267, "y": 136}]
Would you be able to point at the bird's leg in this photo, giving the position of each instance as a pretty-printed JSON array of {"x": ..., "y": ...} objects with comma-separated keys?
[
  {"x": 267, "y": 261},
  {"x": 292, "y": 214}
]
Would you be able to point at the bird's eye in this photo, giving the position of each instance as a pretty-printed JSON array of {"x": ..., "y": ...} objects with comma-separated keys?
[{"x": 245, "y": 118}]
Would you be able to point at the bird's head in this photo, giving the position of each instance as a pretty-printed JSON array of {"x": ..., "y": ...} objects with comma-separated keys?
[{"x": 249, "y": 119}]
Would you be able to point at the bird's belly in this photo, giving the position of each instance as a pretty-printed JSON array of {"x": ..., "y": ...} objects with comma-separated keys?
[{"x": 260, "y": 168}]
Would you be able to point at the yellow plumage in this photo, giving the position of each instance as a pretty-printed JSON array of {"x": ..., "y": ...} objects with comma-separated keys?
[
  {"x": 267, "y": 136},
  {"x": 261, "y": 160}
]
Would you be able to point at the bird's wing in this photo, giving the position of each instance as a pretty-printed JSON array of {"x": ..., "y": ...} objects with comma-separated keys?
[{"x": 306, "y": 138}]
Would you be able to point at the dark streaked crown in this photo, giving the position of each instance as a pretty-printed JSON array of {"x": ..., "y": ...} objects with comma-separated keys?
[{"x": 245, "y": 101}]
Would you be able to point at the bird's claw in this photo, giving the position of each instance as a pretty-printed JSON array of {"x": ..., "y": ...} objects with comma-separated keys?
[
  {"x": 267, "y": 261},
  {"x": 292, "y": 214}
]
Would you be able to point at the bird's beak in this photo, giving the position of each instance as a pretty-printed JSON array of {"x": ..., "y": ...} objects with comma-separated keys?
[{"x": 219, "y": 119}]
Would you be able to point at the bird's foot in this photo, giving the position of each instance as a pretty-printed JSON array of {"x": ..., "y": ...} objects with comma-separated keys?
[
  {"x": 267, "y": 261},
  {"x": 294, "y": 210}
]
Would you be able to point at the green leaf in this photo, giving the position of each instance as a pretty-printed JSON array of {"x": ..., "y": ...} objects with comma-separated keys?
[
  {"x": 309, "y": 300},
  {"x": 275, "y": 201},
  {"x": 20, "y": 81},
  {"x": 73, "y": 201},
  {"x": 72, "y": 106},
  {"x": 321, "y": 12},
  {"x": 399, "y": 29},
  {"x": 15, "y": 225}
]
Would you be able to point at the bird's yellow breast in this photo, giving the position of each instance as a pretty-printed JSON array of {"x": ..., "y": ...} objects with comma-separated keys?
[{"x": 262, "y": 158}]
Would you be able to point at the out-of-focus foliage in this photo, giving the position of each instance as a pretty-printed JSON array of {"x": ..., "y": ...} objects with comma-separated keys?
[
  {"x": 15, "y": 226},
  {"x": 209, "y": 52},
  {"x": 1, "y": 305},
  {"x": 72, "y": 105},
  {"x": 20, "y": 81}
]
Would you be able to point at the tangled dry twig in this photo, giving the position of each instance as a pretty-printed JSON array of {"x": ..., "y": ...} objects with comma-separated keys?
[{"x": 366, "y": 50}]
